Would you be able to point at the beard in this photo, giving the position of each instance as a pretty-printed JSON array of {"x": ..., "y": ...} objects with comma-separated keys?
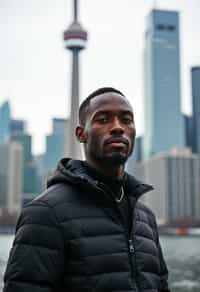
[
  {"x": 105, "y": 157},
  {"x": 115, "y": 159}
]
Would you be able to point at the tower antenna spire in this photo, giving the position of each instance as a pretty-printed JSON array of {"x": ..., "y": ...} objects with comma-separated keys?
[
  {"x": 75, "y": 10},
  {"x": 75, "y": 38}
]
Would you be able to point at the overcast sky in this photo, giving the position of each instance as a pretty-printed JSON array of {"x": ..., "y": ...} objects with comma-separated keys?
[{"x": 35, "y": 67}]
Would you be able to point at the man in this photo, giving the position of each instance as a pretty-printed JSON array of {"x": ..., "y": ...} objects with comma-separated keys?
[{"x": 87, "y": 231}]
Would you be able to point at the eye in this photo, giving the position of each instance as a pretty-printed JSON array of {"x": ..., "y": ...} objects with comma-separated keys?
[
  {"x": 127, "y": 120},
  {"x": 102, "y": 120}
]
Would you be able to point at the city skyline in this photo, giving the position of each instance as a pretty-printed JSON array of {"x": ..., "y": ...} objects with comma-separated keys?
[{"x": 34, "y": 62}]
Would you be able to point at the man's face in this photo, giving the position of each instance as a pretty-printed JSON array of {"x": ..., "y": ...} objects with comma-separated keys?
[{"x": 109, "y": 129}]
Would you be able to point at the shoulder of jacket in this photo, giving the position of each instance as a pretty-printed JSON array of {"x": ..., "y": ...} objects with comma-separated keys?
[
  {"x": 54, "y": 195},
  {"x": 45, "y": 205},
  {"x": 142, "y": 207},
  {"x": 43, "y": 209}
]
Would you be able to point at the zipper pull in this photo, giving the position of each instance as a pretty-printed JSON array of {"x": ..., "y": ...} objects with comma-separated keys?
[{"x": 131, "y": 246}]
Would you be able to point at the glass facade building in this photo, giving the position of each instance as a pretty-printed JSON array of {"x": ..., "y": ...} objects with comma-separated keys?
[
  {"x": 196, "y": 108},
  {"x": 5, "y": 117},
  {"x": 17, "y": 127},
  {"x": 189, "y": 132},
  {"x": 55, "y": 143},
  {"x": 164, "y": 124},
  {"x": 135, "y": 157}
]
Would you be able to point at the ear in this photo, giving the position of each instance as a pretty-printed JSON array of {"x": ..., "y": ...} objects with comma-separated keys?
[{"x": 80, "y": 134}]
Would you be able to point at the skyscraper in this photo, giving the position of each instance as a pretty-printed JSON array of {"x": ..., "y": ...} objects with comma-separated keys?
[
  {"x": 26, "y": 141},
  {"x": 175, "y": 177},
  {"x": 11, "y": 176},
  {"x": 30, "y": 172},
  {"x": 75, "y": 40},
  {"x": 164, "y": 125},
  {"x": 55, "y": 144},
  {"x": 5, "y": 117},
  {"x": 135, "y": 157},
  {"x": 196, "y": 108},
  {"x": 17, "y": 127},
  {"x": 190, "y": 140}
]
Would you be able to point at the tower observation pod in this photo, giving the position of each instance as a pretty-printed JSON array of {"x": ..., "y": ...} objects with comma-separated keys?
[{"x": 75, "y": 39}]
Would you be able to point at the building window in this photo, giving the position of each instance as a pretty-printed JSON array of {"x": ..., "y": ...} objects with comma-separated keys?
[
  {"x": 166, "y": 27},
  {"x": 171, "y": 27},
  {"x": 160, "y": 26}
]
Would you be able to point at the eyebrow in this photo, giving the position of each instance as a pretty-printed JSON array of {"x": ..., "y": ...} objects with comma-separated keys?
[{"x": 124, "y": 112}]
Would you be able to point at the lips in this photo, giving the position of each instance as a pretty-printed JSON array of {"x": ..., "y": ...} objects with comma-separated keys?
[{"x": 117, "y": 141}]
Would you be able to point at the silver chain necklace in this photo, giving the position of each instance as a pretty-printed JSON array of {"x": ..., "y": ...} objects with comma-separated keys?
[{"x": 121, "y": 196}]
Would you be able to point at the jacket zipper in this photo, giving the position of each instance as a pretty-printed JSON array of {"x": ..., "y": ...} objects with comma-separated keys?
[
  {"x": 133, "y": 254},
  {"x": 131, "y": 246}
]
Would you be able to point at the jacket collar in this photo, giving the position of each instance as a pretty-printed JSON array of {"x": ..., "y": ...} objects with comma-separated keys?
[{"x": 73, "y": 172}]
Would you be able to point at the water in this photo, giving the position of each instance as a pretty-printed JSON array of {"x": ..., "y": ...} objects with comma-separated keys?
[
  {"x": 5, "y": 245},
  {"x": 181, "y": 253}
]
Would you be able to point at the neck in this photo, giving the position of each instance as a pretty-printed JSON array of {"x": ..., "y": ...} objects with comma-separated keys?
[{"x": 112, "y": 171}]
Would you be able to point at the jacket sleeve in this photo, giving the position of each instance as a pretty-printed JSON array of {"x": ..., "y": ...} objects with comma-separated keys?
[
  {"x": 163, "y": 272},
  {"x": 164, "y": 286},
  {"x": 36, "y": 260}
]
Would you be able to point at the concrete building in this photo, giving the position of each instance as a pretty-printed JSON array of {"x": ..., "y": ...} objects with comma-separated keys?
[
  {"x": 26, "y": 141},
  {"x": 176, "y": 178},
  {"x": 164, "y": 125},
  {"x": 31, "y": 182},
  {"x": 195, "y": 74},
  {"x": 11, "y": 176}
]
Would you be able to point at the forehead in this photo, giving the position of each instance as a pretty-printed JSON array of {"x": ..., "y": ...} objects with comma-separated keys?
[{"x": 109, "y": 101}]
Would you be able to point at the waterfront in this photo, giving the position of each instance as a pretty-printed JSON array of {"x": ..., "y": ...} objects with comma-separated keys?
[
  {"x": 5, "y": 245},
  {"x": 181, "y": 253}
]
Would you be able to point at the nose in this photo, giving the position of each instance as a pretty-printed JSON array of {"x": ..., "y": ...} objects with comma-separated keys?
[{"x": 116, "y": 127}]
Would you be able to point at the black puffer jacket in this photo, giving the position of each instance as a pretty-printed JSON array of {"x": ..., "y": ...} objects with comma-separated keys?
[{"x": 71, "y": 239}]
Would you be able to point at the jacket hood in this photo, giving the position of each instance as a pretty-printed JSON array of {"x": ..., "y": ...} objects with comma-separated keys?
[{"x": 73, "y": 172}]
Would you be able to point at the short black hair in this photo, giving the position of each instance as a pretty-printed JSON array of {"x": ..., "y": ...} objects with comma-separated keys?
[{"x": 83, "y": 109}]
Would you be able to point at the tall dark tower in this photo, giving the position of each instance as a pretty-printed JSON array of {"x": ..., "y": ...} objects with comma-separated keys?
[
  {"x": 75, "y": 38},
  {"x": 196, "y": 108}
]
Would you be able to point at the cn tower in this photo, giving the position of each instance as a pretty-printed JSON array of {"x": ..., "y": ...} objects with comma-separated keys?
[{"x": 75, "y": 38}]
